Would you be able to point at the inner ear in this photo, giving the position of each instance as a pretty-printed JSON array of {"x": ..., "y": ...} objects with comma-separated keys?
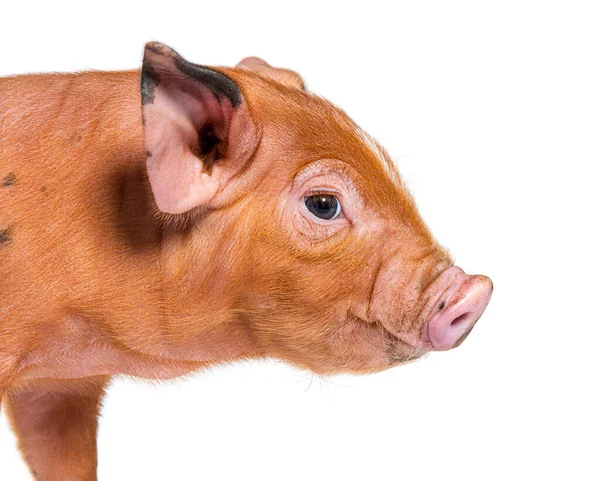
[
  {"x": 195, "y": 118},
  {"x": 211, "y": 148}
]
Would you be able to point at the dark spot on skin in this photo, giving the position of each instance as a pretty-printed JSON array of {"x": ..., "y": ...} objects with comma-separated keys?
[
  {"x": 43, "y": 189},
  {"x": 148, "y": 153},
  {"x": 150, "y": 80},
  {"x": 10, "y": 179},
  {"x": 220, "y": 85},
  {"x": 73, "y": 138},
  {"x": 6, "y": 238},
  {"x": 442, "y": 305}
]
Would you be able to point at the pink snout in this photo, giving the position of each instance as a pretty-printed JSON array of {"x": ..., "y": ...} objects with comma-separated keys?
[{"x": 457, "y": 313}]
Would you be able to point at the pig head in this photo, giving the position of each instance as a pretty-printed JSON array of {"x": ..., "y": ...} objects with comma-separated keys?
[{"x": 284, "y": 217}]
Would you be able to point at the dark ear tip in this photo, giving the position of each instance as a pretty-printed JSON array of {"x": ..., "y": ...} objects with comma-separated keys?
[
  {"x": 159, "y": 58},
  {"x": 156, "y": 47}
]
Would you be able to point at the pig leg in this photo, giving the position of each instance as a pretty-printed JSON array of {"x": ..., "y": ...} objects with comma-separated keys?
[{"x": 55, "y": 423}]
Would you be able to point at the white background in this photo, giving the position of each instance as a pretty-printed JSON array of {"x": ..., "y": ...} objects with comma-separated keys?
[{"x": 492, "y": 111}]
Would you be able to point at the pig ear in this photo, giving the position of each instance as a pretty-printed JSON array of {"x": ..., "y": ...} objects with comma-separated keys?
[
  {"x": 197, "y": 129},
  {"x": 289, "y": 78}
]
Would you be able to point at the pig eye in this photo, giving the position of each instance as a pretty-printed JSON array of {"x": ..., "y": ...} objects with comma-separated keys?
[{"x": 323, "y": 206}]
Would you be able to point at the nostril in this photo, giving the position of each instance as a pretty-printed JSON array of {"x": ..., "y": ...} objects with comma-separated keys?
[
  {"x": 460, "y": 320},
  {"x": 457, "y": 312}
]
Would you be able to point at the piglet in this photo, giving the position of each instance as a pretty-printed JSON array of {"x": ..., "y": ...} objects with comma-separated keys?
[{"x": 160, "y": 221}]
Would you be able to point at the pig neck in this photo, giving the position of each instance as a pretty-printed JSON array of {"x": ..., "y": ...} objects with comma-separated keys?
[
  {"x": 87, "y": 258},
  {"x": 191, "y": 300}
]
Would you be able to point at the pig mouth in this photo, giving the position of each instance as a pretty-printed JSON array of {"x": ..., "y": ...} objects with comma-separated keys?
[{"x": 401, "y": 350}]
